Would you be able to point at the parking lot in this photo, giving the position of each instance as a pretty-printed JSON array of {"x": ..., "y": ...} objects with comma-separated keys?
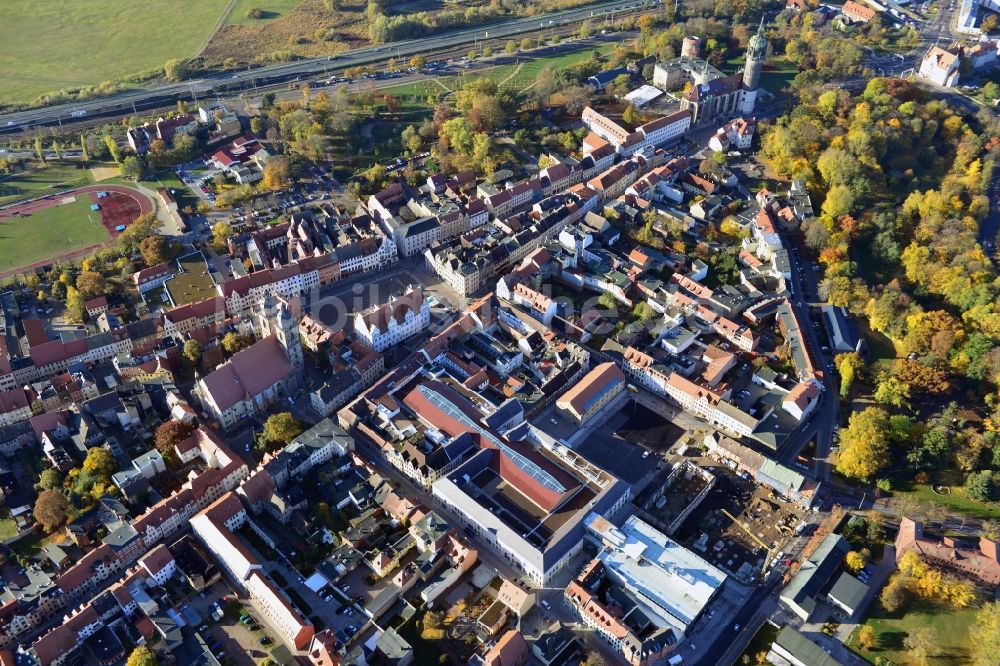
[{"x": 617, "y": 444}]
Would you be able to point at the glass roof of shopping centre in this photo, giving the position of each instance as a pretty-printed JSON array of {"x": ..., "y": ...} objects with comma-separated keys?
[{"x": 529, "y": 467}]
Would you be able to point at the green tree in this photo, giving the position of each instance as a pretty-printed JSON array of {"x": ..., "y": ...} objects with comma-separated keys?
[
  {"x": 986, "y": 636},
  {"x": 142, "y": 656},
  {"x": 51, "y": 509},
  {"x": 156, "y": 250},
  {"x": 112, "y": 146},
  {"x": 892, "y": 391},
  {"x": 131, "y": 167},
  {"x": 39, "y": 149},
  {"x": 281, "y": 428},
  {"x": 607, "y": 301},
  {"x": 934, "y": 448},
  {"x": 848, "y": 366},
  {"x": 176, "y": 69},
  {"x": 84, "y": 150},
  {"x": 233, "y": 342},
  {"x": 91, "y": 284},
  {"x": 50, "y": 479},
  {"x": 192, "y": 351},
  {"x": 981, "y": 486}
]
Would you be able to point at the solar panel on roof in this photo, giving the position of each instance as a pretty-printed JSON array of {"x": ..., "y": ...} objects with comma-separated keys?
[{"x": 527, "y": 466}]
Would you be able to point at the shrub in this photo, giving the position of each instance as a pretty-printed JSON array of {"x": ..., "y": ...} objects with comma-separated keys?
[{"x": 255, "y": 13}]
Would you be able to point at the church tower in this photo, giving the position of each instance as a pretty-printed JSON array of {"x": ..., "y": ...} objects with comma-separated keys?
[
  {"x": 756, "y": 52},
  {"x": 286, "y": 330}
]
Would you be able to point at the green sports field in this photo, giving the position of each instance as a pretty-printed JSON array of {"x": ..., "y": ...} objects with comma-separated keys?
[
  {"x": 41, "y": 180},
  {"x": 48, "y": 233},
  {"x": 49, "y": 45}
]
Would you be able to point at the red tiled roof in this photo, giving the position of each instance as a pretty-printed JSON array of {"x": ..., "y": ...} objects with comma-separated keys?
[
  {"x": 597, "y": 380},
  {"x": 510, "y": 650},
  {"x": 84, "y": 569},
  {"x": 152, "y": 273},
  {"x": 157, "y": 560},
  {"x": 99, "y": 302},
  {"x": 411, "y": 301},
  {"x": 46, "y": 422},
  {"x": 248, "y": 373},
  {"x": 34, "y": 331},
  {"x": 13, "y": 400}
]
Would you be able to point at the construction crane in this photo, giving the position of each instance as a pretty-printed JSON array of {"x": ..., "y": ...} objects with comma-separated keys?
[{"x": 767, "y": 549}]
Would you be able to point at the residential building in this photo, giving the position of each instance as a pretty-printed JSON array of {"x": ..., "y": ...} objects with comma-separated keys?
[
  {"x": 389, "y": 324},
  {"x": 855, "y": 12},
  {"x": 941, "y": 66},
  {"x": 215, "y": 527},
  {"x": 593, "y": 393}
]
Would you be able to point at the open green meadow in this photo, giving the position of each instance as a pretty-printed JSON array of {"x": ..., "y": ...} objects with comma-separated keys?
[
  {"x": 269, "y": 10},
  {"x": 49, "y": 45},
  {"x": 49, "y": 233},
  {"x": 514, "y": 77},
  {"x": 950, "y": 629}
]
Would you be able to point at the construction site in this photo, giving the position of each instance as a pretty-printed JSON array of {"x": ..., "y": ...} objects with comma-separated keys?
[
  {"x": 673, "y": 496},
  {"x": 739, "y": 526}
]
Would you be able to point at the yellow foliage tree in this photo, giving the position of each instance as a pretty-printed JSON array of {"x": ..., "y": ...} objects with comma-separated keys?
[
  {"x": 864, "y": 444},
  {"x": 855, "y": 561}
]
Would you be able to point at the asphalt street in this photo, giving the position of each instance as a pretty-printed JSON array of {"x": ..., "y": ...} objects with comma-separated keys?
[{"x": 253, "y": 78}]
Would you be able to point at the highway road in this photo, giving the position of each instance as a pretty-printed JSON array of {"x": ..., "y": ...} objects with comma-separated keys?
[{"x": 251, "y": 79}]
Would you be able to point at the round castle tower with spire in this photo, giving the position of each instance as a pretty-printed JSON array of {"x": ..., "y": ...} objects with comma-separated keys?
[{"x": 756, "y": 52}]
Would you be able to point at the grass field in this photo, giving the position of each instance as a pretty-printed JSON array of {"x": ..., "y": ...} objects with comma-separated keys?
[
  {"x": 950, "y": 627},
  {"x": 270, "y": 10},
  {"x": 43, "y": 180},
  {"x": 48, "y": 233},
  {"x": 956, "y": 501},
  {"x": 778, "y": 71},
  {"x": 49, "y": 45}
]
